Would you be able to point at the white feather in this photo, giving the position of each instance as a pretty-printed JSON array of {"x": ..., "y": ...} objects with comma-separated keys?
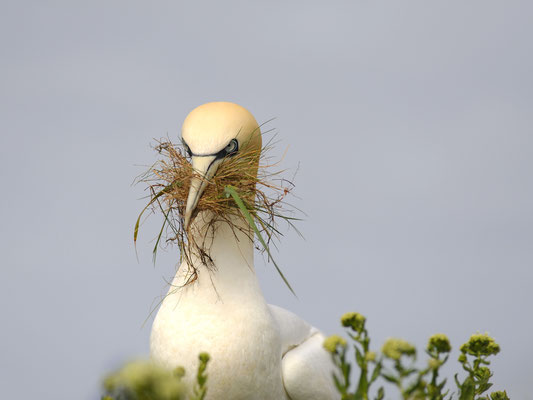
[{"x": 257, "y": 351}]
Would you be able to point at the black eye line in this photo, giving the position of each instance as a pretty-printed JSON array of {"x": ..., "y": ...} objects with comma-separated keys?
[
  {"x": 187, "y": 148},
  {"x": 221, "y": 154}
]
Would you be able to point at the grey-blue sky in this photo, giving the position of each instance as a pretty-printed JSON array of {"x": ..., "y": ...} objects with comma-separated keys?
[{"x": 417, "y": 114}]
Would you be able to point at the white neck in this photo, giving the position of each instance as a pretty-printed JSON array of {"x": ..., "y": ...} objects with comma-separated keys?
[
  {"x": 232, "y": 275},
  {"x": 225, "y": 314}
]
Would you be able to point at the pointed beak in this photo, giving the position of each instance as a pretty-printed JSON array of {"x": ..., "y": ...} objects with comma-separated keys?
[{"x": 205, "y": 167}]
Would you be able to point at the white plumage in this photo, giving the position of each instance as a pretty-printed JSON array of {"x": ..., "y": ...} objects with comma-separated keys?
[{"x": 258, "y": 351}]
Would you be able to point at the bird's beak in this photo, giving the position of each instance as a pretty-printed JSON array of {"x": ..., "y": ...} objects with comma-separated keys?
[{"x": 205, "y": 167}]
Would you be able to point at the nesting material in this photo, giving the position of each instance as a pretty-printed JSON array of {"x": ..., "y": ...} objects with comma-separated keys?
[{"x": 246, "y": 185}]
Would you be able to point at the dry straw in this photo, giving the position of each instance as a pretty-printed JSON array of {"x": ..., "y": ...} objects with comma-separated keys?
[{"x": 246, "y": 185}]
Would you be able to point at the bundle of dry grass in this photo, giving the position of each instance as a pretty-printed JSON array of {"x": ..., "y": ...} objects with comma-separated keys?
[{"x": 245, "y": 186}]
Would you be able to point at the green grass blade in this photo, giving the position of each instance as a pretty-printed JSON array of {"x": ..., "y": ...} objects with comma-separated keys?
[
  {"x": 230, "y": 191},
  {"x": 154, "y": 251},
  {"x": 163, "y": 191},
  {"x": 136, "y": 229}
]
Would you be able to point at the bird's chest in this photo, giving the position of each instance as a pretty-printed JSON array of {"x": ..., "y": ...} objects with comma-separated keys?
[{"x": 240, "y": 335}]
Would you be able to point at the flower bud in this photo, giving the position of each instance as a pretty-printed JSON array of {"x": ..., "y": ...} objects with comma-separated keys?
[
  {"x": 439, "y": 343},
  {"x": 480, "y": 345},
  {"x": 499, "y": 396},
  {"x": 433, "y": 363},
  {"x": 179, "y": 372},
  {"x": 354, "y": 320},
  {"x": 370, "y": 356},
  {"x": 395, "y": 348},
  {"x": 204, "y": 357},
  {"x": 332, "y": 342}
]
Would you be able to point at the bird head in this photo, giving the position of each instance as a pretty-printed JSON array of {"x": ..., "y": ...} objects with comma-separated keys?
[{"x": 211, "y": 133}]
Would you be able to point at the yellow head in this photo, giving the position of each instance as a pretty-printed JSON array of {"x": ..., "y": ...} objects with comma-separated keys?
[{"x": 210, "y": 133}]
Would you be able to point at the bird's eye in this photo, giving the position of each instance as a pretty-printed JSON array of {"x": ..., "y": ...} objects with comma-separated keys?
[
  {"x": 187, "y": 149},
  {"x": 232, "y": 147}
]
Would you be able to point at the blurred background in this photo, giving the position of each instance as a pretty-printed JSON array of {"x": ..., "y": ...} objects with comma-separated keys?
[{"x": 410, "y": 124}]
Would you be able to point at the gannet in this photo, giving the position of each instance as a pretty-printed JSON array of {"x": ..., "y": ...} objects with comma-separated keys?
[{"x": 258, "y": 351}]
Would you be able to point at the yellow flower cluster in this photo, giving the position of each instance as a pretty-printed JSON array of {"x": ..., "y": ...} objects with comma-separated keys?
[
  {"x": 354, "y": 320},
  {"x": 434, "y": 364},
  {"x": 395, "y": 348},
  {"x": 480, "y": 344},
  {"x": 333, "y": 342},
  {"x": 370, "y": 356},
  {"x": 140, "y": 376},
  {"x": 499, "y": 396},
  {"x": 439, "y": 343}
]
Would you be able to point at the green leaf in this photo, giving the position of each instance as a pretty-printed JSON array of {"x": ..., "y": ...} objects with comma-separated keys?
[
  {"x": 484, "y": 387},
  {"x": 457, "y": 381},
  {"x": 381, "y": 393},
  {"x": 359, "y": 357},
  {"x": 376, "y": 372},
  {"x": 390, "y": 378},
  {"x": 467, "y": 389},
  {"x": 230, "y": 191},
  {"x": 338, "y": 384}
]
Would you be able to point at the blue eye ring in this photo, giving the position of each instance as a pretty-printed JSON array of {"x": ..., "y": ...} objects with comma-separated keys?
[
  {"x": 187, "y": 149},
  {"x": 231, "y": 148}
]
